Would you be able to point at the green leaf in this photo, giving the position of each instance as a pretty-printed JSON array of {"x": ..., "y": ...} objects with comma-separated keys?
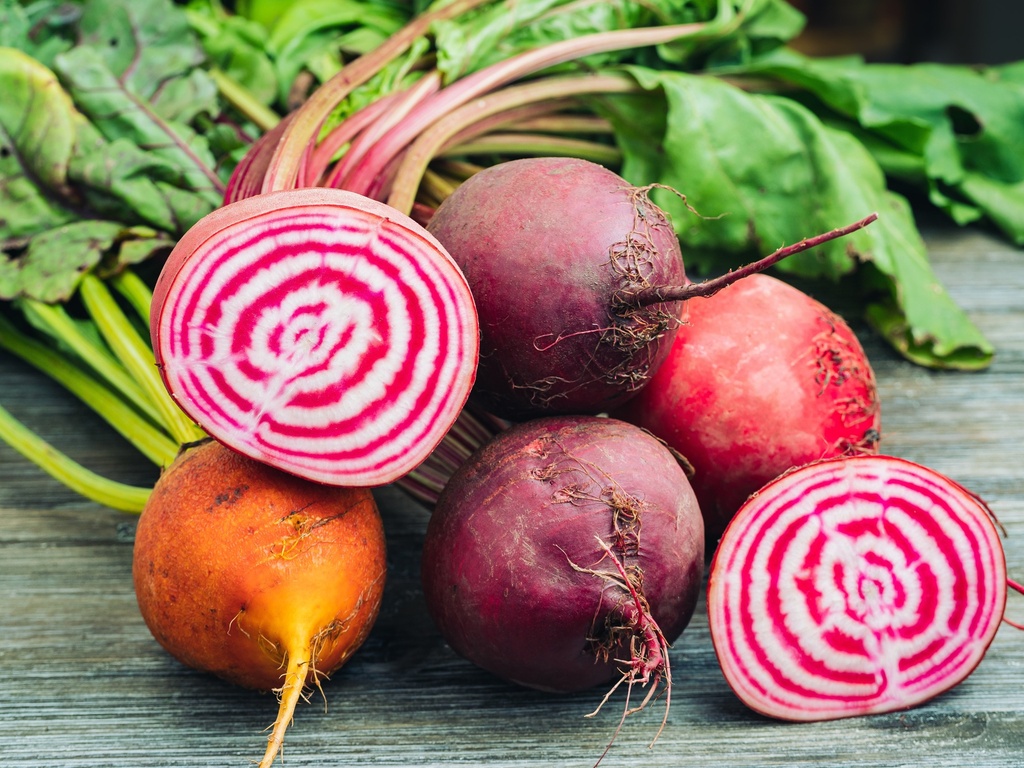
[
  {"x": 137, "y": 245},
  {"x": 496, "y": 32},
  {"x": 41, "y": 29},
  {"x": 965, "y": 124},
  {"x": 737, "y": 31},
  {"x": 121, "y": 180},
  {"x": 764, "y": 171},
  {"x": 119, "y": 112},
  {"x": 145, "y": 44},
  {"x": 50, "y": 268},
  {"x": 54, "y": 261},
  {"x": 134, "y": 76},
  {"x": 237, "y": 46},
  {"x": 309, "y": 35},
  {"x": 111, "y": 132},
  {"x": 38, "y": 132},
  {"x": 263, "y": 12}
]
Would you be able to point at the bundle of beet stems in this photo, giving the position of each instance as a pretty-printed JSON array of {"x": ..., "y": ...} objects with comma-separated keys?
[
  {"x": 408, "y": 148},
  {"x": 108, "y": 366},
  {"x": 383, "y": 152}
]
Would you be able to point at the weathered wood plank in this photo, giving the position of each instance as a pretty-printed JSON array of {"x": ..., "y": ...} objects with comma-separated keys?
[{"x": 82, "y": 683}]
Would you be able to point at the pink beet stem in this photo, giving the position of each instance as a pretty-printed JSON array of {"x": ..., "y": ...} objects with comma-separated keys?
[
  {"x": 398, "y": 108},
  {"x": 460, "y": 120},
  {"x": 500, "y": 74},
  {"x": 294, "y": 147},
  {"x": 511, "y": 117},
  {"x": 321, "y": 157},
  {"x": 1017, "y": 587}
]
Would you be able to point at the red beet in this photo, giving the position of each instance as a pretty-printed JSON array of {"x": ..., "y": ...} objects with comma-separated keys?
[
  {"x": 761, "y": 378},
  {"x": 565, "y": 553}
]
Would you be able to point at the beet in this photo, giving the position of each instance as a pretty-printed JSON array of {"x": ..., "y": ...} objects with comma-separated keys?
[
  {"x": 527, "y": 551},
  {"x": 545, "y": 243},
  {"x": 855, "y": 586},
  {"x": 761, "y": 378},
  {"x": 262, "y": 578},
  {"x": 317, "y": 331}
]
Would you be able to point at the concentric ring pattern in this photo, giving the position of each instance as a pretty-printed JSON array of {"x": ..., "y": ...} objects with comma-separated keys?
[
  {"x": 332, "y": 342},
  {"x": 855, "y": 586}
]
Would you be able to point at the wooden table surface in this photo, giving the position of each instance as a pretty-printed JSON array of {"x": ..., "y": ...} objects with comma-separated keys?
[{"x": 82, "y": 683}]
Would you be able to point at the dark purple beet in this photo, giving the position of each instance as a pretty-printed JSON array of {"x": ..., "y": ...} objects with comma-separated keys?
[
  {"x": 522, "y": 558},
  {"x": 547, "y": 244}
]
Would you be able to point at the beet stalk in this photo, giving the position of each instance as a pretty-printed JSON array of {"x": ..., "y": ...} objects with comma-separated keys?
[
  {"x": 366, "y": 178},
  {"x": 102, "y": 360},
  {"x": 298, "y": 138},
  {"x": 292, "y": 159}
]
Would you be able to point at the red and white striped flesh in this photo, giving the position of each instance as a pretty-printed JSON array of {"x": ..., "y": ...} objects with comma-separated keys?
[
  {"x": 855, "y": 586},
  {"x": 318, "y": 331}
]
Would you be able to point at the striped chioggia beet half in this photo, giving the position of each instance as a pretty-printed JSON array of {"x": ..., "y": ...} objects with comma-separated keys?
[
  {"x": 318, "y": 331},
  {"x": 855, "y": 586}
]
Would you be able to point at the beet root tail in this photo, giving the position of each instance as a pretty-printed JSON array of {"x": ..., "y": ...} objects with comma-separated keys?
[
  {"x": 648, "y": 663},
  {"x": 290, "y": 692}
]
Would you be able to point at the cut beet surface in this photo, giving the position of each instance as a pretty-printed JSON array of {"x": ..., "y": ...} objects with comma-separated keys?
[
  {"x": 317, "y": 331},
  {"x": 855, "y": 586}
]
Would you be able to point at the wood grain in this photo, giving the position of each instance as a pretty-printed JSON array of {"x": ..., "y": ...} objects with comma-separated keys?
[{"x": 82, "y": 683}]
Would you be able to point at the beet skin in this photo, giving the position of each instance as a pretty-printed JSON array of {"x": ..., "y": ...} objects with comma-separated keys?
[{"x": 761, "y": 379}]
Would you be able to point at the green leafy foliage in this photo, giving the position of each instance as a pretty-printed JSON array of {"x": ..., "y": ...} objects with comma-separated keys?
[
  {"x": 238, "y": 47},
  {"x": 38, "y": 130},
  {"x": 494, "y": 32},
  {"x": 279, "y": 51},
  {"x": 319, "y": 36},
  {"x": 954, "y": 131},
  {"x": 113, "y": 115},
  {"x": 103, "y": 156},
  {"x": 53, "y": 262}
]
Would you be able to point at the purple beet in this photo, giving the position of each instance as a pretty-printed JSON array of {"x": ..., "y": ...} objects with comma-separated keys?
[{"x": 568, "y": 552}]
